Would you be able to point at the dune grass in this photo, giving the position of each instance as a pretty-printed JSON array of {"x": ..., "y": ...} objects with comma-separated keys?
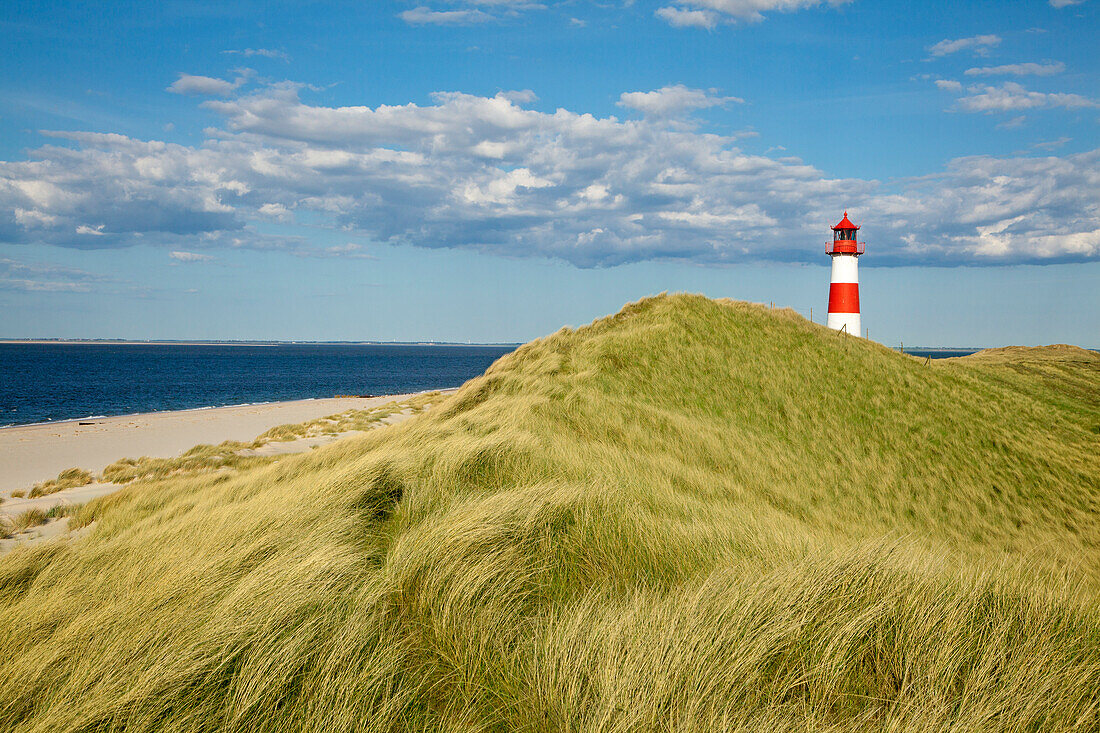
[
  {"x": 225, "y": 456},
  {"x": 68, "y": 479},
  {"x": 63, "y": 510},
  {"x": 28, "y": 519},
  {"x": 348, "y": 420},
  {"x": 234, "y": 455},
  {"x": 689, "y": 516}
]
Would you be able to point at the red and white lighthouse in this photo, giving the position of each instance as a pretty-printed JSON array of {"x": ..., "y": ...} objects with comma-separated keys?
[{"x": 845, "y": 250}]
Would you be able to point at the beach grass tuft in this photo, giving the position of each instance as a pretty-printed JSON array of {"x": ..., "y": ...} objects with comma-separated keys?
[
  {"x": 57, "y": 511},
  {"x": 232, "y": 455},
  {"x": 67, "y": 479},
  {"x": 347, "y": 421},
  {"x": 671, "y": 519},
  {"x": 225, "y": 456},
  {"x": 28, "y": 519}
]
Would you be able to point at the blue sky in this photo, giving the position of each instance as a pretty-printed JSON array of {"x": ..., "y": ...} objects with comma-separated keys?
[{"x": 491, "y": 170}]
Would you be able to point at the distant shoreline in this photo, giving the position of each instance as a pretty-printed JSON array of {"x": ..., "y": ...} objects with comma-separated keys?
[{"x": 168, "y": 342}]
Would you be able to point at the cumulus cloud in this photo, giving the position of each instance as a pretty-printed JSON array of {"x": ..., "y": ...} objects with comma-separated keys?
[
  {"x": 671, "y": 101},
  {"x": 1011, "y": 96},
  {"x": 274, "y": 211},
  {"x": 978, "y": 44},
  {"x": 1044, "y": 69},
  {"x": 707, "y": 13},
  {"x": 469, "y": 12},
  {"x": 181, "y": 256},
  {"x": 204, "y": 85},
  {"x": 489, "y": 174},
  {"x": 682, "y": 18},
  {"x": 949, "y": 84},
  {"x": 426, "y": 16}
]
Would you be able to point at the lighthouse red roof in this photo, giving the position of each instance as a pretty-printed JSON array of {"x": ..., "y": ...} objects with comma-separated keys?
[{"x": 845, "y": 223}]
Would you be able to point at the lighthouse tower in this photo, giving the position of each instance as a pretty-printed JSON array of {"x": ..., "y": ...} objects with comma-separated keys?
[{"x": 845, "y": 250}]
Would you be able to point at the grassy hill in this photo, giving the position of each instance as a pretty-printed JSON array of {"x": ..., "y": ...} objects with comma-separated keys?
[{"x": 690, "y": 516}]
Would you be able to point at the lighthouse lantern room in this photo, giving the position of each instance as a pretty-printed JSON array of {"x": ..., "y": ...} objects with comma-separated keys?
[{"x": 844, "y": 250}]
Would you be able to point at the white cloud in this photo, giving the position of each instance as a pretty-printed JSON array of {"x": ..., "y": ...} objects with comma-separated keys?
[
  {"x": 949, "y": 84},
  {"x": 181, "y": 256},
  {"x": 274, "y": 211},
  {"x": 1013, "y": 124},
  {"x": 469, "y": 12},
  {"x": 426, "y": 16},
  {"x": 978, "y": 44},
  {"x": 269, "y": 53},
  {"x": 672, "y": 101},
  {"x": 1011, "y": 96},
  {"x": 96, "y": 231},
  {"x": 488, "y": 174},
  {"x": 350, "y": 250},
  {"x": 1064, "y": 3},
  {"x": 204, "y": 85},
  {"x": 706, "y": 13},
  {"x": 1052, "y": 144},
  {"x": 682, "y": 18},
  {"x": 1044, "y": 69}
]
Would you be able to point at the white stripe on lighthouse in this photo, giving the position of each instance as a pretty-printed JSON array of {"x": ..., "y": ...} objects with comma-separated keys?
[
  {"x": 849, "y": 322},
  {"x": 845, "y": 270}
]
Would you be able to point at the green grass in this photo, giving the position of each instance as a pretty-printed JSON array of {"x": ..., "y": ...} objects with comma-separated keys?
[
  {"x": 58, "y": 511},
  {"x": 689, "y": 516}
]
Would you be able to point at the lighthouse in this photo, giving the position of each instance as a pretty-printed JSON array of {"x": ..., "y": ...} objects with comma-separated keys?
[{"x": 845, "y": 250}]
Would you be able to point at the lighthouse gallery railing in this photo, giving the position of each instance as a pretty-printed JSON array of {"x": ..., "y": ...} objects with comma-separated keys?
[{"x": 833, "y": 247}]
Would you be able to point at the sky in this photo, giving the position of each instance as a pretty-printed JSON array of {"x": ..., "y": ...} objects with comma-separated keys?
[{"x": 491, "y": 170}]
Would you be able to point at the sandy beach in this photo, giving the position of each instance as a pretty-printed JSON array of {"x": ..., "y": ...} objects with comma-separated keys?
[{"x": 32, "y": 453}]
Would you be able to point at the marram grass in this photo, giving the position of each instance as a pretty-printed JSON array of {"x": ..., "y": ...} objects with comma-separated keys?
[
  {"x": 67, "y": 479},
  {"x": 689, "y": 516}
]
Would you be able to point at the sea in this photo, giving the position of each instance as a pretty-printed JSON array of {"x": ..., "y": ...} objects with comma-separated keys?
[{"x": 45, "y": 382}]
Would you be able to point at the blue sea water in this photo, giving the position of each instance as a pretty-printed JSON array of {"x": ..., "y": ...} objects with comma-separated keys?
[
  {"x": 58, "y": 381},
  {"x": 940, "y": 353}
]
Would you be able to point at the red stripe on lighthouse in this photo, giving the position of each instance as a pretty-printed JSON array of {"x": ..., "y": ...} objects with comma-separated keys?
[{"x": 844, "y": 298}]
